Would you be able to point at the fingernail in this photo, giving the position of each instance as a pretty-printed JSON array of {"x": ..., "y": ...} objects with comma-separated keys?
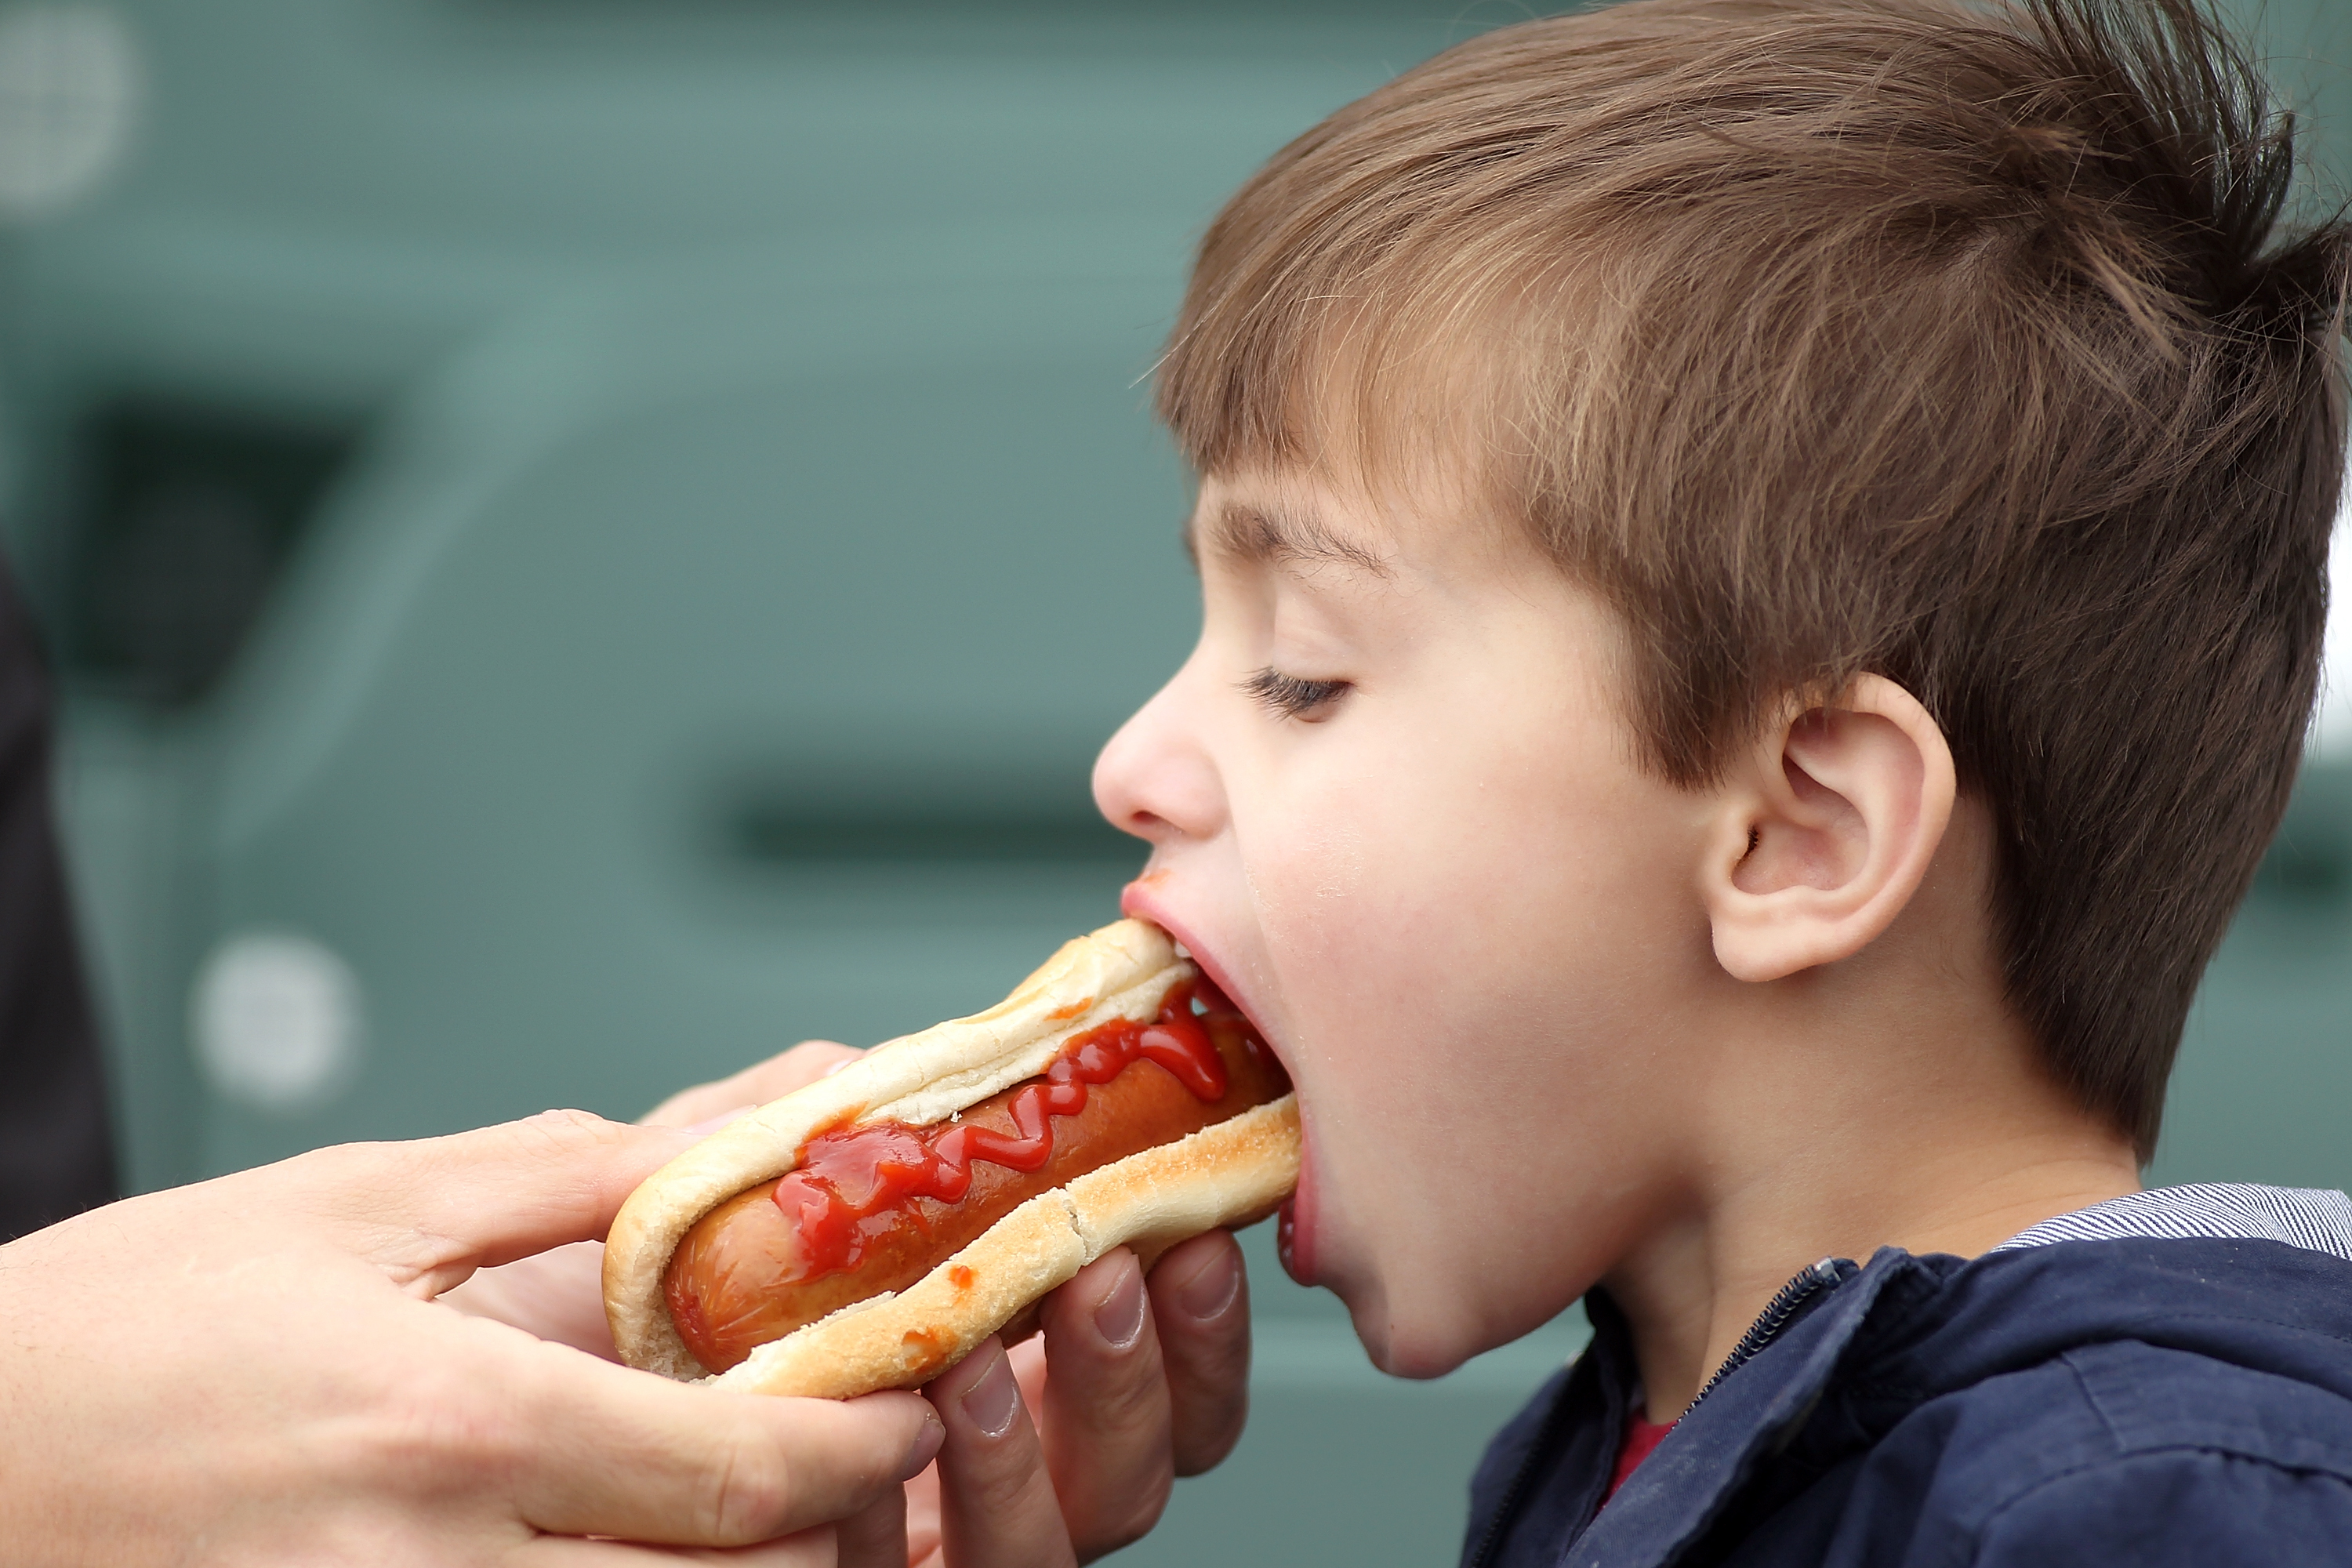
[
  {"x": 926, "y": 1448},
  {"x": 1212, "y": 1287},
  {"x": 722, "y": 1119},
  {"x": 1119, "y": 1319},
  {"x": 992, "y": 1402}
]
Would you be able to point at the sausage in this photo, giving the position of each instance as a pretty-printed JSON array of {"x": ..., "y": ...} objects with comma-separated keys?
[{"x": 749, "y": 1271}]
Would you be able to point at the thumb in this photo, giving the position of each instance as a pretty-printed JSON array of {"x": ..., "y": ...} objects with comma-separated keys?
[{"x": 434, "y": 1210}]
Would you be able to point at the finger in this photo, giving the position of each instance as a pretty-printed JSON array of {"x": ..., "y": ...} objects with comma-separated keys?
[
  {"x": 923, "y": 1542},
  {"x": 604, "y": 1450},
  {"x": 923, "y": 1515},
  {"x": 877, "y": 1536},
  {"x": 727, "y": 1118},
  {"x": 1029, "y": 1368},
  {"x": 558, "y": 1295},
  {"x": 809, "y": 1549},
  {"x": 756, "y": 1085},
  {"x": 1199, "y": 1302},
  {"x": 430, "y": 1211},
  {"x": 1107, "y": 1435},
  {"x": 997, "y": 1508}
]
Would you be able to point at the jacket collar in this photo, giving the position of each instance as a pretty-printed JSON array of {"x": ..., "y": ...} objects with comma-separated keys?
[
  {"x": 1682, "y": 1489},
  {"x": 1933, "y": 1325}
]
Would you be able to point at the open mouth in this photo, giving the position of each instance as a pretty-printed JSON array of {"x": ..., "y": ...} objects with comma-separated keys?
[{"x": 1294, "y": 1221}]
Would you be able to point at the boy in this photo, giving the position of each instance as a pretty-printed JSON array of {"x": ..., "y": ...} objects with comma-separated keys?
[{"x": 1763, "y": 578}]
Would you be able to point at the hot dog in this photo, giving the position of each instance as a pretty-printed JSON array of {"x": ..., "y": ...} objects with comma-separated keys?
[
  {"x": 874, "y": 1209},
  {"x": 868, "y": 1230}
]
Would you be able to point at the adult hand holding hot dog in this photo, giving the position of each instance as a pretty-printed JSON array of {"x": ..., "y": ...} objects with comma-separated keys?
[
  {"x": 1149, "y": 1378},
  {"x": 253, "y": 1369}
]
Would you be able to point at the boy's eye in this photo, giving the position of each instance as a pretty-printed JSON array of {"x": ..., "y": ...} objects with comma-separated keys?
[{"x": 1292, "y": 697}]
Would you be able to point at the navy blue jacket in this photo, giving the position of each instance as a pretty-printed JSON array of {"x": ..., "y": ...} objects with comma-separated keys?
[{"x": 2144, "y": 1400}]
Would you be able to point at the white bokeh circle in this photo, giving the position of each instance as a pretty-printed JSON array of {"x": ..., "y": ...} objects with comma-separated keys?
[
  {"x": 277, "y": 1020},
  {"x": 71, "y": 94}
]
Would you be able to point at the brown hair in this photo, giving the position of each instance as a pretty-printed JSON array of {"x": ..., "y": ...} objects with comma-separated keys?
[{"x": 1965, "y": 344}]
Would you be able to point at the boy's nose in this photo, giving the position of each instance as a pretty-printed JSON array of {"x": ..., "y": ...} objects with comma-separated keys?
[{"x": 1155, "y": 778}]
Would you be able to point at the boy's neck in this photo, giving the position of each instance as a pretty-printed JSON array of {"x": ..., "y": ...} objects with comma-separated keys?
[
  {"x": 1695, "y": 1287},
  {"x": 1894, "y": 1101}
]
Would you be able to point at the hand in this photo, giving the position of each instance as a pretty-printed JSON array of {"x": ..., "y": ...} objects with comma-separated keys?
[
  {"x": 252, "y": 1369},
  {"x": 1133, "y": 1402},
  {"x": 1149, "y": 1381},
  {"x": 559, "y": 1294}
]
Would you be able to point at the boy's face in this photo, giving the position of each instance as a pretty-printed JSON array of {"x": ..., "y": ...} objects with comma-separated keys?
[{"x": 1394, "y": 813}]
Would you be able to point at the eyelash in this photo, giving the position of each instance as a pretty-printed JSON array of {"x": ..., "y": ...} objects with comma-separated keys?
[{"x": 1289, "y": 697}]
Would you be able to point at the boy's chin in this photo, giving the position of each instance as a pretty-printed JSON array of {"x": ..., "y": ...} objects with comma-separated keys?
[
  {"x": 1397, "y": 1344},
  {"x": 1418, "y": 1360}
]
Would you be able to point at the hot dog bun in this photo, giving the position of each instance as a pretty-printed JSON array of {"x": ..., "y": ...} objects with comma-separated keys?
[{"x": 1229, "y": 1173}]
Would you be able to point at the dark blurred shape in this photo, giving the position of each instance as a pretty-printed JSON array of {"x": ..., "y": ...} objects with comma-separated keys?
[
  {"x": 2306, "y": 873},
  {"x": 2310, "y": 862},
  {"x": 56, "y": 1144},
  {"x": 187, "y": 516}
]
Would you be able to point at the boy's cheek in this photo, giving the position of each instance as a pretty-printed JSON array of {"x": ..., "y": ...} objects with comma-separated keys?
[
  {"x": 1311, "y": 889},
  {"x": 1345, "y": 884},
  {"x": 1423, "y": 985}
]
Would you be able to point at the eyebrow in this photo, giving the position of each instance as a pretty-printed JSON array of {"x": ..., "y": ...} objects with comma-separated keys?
[{"x": 1280, "y": 536}]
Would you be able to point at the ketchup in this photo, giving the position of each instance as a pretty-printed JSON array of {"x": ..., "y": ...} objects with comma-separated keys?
[{"x": 855, "y": 1185}]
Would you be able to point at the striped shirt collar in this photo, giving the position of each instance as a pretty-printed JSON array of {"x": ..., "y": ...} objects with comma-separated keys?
[{"x": 2313, "y": 1218}]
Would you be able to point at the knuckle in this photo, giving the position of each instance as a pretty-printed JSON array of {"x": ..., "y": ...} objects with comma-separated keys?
[
  {"x": 1212, "y": 1369},
  {"x": 1214, "y": 1436},
  {"x": 1200, "y": 1458},
  {"x": 566, "y": 1129},
  {"x": 996, "y": 1487},
  {"x": 339, "y": 1179},
  {"x": 1140, "y": 1511},
  {"x": 746, "y": 1498},
  {"x": 1136, "y": 1400},
  {"x": 555, "y": 1141}
]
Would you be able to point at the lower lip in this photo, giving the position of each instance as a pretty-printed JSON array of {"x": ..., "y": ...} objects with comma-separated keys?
[{"x": 1294, "y": 1233}]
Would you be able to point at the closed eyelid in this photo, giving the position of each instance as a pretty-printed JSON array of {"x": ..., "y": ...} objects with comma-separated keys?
[{"x": 1291, "y": 696}]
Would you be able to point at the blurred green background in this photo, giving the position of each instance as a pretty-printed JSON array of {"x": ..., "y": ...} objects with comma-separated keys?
[{"x": 589, "y": 540}]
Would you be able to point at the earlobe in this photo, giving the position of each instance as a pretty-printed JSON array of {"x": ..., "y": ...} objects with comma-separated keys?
[{"x": 1825, "y": 830}]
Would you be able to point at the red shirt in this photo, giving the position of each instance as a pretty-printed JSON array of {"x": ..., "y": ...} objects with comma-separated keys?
[{"x": 1641, "y": 1435}]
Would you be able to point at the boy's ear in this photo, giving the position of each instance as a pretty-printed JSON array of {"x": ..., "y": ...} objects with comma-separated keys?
[{"x": 1826, "y": 826}]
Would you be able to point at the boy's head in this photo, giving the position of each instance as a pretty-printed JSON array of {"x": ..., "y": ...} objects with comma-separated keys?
[{"x": 1665, "y": 461}]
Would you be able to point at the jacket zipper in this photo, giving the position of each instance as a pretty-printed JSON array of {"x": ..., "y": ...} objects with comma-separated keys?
[
  {"x": 1761, "y": 1332},
  {"x": 1518, "y": 1490},
  {"x": 1770, "y": 1322}
]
